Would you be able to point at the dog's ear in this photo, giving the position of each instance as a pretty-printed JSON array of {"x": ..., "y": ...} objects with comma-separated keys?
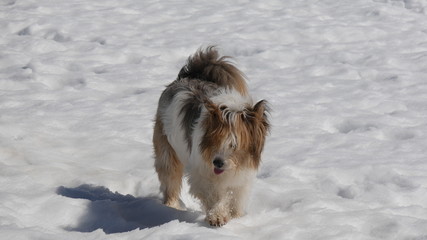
[
  {"x": 261, "y": 109},
  {"x": 213, "y": 109},
  {"x": 260, "y": 128},
  {"x": 210, "y": 106}
]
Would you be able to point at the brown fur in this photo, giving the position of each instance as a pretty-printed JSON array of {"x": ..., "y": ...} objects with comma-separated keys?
[
  {"x": 168, "y": 167},
  {"x": 250, "y": 127},
  {"x": 208, "y": 66}
]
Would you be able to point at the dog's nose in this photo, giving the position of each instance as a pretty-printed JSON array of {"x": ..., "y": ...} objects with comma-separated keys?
[{"x": 218, "y": 162}]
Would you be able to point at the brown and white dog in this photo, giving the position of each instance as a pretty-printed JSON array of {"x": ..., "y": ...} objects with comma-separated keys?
[{"x": 208, "y": 127}]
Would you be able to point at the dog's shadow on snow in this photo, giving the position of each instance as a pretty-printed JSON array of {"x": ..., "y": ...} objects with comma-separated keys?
[{"x": 114, "y": 212}]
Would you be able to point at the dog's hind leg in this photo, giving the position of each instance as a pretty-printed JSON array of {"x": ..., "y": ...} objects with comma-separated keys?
[{"x": 168, "y": 167}]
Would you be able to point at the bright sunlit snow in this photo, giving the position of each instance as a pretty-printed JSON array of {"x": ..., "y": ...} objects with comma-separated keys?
[{"x": 347, "y": 84}]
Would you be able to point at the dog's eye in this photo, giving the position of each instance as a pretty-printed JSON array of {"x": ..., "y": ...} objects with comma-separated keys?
[{"x": 232, "y": 146}]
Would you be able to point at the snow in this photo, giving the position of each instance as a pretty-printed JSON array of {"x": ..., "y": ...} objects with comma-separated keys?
[{"x": 346, "y": 80}]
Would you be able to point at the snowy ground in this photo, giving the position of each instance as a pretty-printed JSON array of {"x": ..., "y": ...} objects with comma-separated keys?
[{"x": 347, "y": 81}]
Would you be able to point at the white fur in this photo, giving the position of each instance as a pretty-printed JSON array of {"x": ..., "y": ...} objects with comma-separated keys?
[
  {"x": 233, "y": 99},
  {"x": 222, "y": 195},
  {"x": 171, "y": 122}
]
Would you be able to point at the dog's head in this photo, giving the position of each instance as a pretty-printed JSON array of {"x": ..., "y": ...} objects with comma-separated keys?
[{"x": 234, "y": 137}]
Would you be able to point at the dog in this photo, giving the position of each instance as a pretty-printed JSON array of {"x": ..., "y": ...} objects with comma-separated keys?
[{"x": 208, "y": 127}]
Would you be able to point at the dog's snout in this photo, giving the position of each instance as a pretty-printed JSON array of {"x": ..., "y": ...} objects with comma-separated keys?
[{"x": 218, "y": 162}]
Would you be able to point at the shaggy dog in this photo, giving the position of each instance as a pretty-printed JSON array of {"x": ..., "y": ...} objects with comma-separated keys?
[{"x": 208, "y": 127}]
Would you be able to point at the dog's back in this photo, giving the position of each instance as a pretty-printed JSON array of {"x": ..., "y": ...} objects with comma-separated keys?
[
  {"x": 202, "y": 77},
  {"x": 208, "y": 66}
]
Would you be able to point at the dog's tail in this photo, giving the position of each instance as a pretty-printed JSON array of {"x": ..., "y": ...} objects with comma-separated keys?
[{"x": 208, "y": 66}]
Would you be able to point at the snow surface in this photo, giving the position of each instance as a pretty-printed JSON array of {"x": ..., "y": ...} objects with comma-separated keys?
[{"x": 347, "y": 82}]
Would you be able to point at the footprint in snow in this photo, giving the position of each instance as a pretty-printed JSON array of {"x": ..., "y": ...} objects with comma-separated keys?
[{"x": 351, "y": 126}]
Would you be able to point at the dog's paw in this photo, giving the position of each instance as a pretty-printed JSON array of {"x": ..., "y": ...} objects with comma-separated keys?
[
  {"x": 175, "y": 204},
  {"x": 217, "y": 219}
]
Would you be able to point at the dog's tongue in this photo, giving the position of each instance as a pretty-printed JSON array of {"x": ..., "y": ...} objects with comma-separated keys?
[{"x": 218, "y": 171}]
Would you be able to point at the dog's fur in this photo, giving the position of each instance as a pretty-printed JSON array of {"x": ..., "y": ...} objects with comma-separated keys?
[{"x": 207, "y": 126}]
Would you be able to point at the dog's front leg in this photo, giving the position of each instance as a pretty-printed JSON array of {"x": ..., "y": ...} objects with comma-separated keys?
[
  {"x": 219, "y": 214},
  {"x": 221, "y": 211},
  {"x": 238, "y": 201}
]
